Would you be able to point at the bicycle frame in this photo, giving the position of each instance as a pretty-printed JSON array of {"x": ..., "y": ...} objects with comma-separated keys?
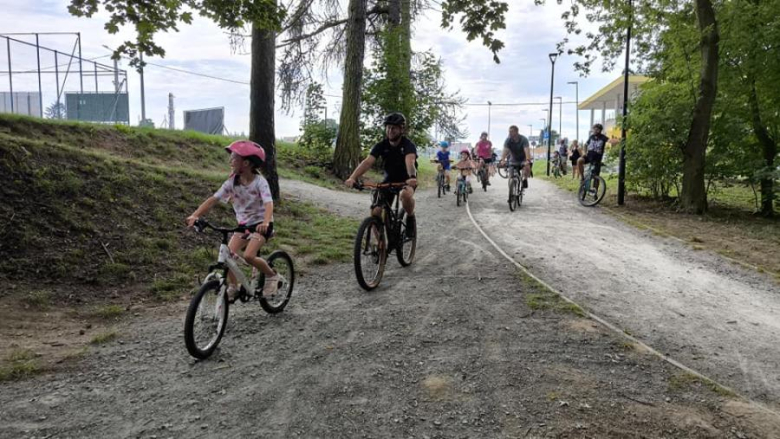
[
  {"x": 588, "y": 175},
  {"x": 389, "y": 219},
  {"x": 229, "y": 261}
]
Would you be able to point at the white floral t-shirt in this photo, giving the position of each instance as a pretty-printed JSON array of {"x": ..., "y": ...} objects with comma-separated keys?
[{"x": 247, "y": 200}]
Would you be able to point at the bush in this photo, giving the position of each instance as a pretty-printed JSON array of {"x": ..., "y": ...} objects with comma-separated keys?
[{"x": 659, "y": 123}]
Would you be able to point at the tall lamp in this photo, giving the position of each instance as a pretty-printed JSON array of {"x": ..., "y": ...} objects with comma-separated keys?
[{"x": 553, "y": 57}]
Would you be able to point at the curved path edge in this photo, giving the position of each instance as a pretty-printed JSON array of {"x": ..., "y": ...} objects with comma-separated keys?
[{"x": 614, "y": 328}]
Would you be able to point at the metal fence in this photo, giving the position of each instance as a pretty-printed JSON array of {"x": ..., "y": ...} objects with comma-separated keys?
[{"x": 66, "y": 85}]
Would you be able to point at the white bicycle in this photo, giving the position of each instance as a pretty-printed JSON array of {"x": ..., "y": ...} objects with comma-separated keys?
[{"x": 207, "y": 314}]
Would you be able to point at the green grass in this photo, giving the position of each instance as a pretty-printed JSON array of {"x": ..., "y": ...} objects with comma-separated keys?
[
  {"x": 540, "y": 298},
  {"x": 104, "y": 337},
  {"x": 21, "y": 363},
  {"x": 124, "y": 206},
  {"x": 109, "y": 311},
  {"x": 728, "y": 194},
  {"x": 40, "y": 299},
  {"x": 684, "y": 380}
]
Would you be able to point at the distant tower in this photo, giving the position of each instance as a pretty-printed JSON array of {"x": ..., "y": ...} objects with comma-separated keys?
[{"x": 171, "y": 112}]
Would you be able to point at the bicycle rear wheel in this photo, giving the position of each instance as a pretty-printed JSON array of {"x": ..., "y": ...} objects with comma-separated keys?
[
  {"x": 370, "y": 254},
  {"x": 407, "y": 247},
  {"x": 282, "y": 264},
  {"x": 206, "y": 319},
  {"x": 592, "y": 192}
]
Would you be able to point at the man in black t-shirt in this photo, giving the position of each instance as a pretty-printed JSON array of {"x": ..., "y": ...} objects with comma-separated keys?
[
  {"x": 594, "y": 148},
  {"x": 399, "y": 157}
]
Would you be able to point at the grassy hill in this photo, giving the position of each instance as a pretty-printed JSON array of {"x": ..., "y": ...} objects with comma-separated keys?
[{"x": 86, "y": 207}]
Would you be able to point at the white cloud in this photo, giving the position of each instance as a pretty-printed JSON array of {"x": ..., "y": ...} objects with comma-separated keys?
[{"x": 522, "y": 76}]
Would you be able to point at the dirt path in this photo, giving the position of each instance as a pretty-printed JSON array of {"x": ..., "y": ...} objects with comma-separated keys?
[
  {"x": 439, "y": 350},
  {"x": 704, "y": 311},
  {"x": 343, "y": 203}
]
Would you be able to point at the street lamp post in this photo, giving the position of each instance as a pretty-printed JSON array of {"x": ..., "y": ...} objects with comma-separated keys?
[
  {"x": 553, "y": 57},
  {"x": 530, "y": 129},
  {"x": 490, "y": 107},
  {"x": 577, "y": 94},
  {"x": 544, "y": 126},
  {"x": 622, "y": 161},
  {"x": 560, "y": 116},
  {"x": 143, "y": 95}
]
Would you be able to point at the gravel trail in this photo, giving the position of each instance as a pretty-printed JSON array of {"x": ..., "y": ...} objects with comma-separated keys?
[
  {"x": 712, "y": 315},
  {"x": 448, "y": 347}
]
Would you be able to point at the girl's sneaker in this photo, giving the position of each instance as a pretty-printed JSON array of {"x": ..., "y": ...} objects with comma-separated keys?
[
  {"x": 232, "y": 292},
  {"x": 271, "y": 285}
]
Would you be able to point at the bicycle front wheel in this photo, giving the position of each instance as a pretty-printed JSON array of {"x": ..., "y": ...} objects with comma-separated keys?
[
  {"x": 370, "y": 254},
  {"x": 406, "y": 246},
  {"x": 458, "y": 195},
  {"x": 206, "y": 319},
  {"x": 592, "y": 191},
  {"x": 282, "y": 264},
  {"x": 512, "y": 195}
]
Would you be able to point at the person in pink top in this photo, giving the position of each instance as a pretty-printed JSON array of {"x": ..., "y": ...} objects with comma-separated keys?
[
  {"x": 250, "y": 195},
  {"x": 484, "y": 151}
]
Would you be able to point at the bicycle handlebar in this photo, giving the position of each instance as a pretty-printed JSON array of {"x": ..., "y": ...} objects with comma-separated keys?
[
  {"x": 360, "y": 185},
  {"x": 201, "y": 225}
]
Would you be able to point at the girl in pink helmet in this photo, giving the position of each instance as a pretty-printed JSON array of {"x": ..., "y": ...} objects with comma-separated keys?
[{"x": 250, "y": 195}]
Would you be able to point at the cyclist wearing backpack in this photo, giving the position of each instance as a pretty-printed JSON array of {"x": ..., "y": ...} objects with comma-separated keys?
[
  {"x": 595, "y": 151},
  {"x": 399, "y": 157}
]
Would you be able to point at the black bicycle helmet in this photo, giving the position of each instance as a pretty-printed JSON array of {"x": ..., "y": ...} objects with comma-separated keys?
[
  {"x": 599, "y": 126},
  {"x": 395, "y": 119}
]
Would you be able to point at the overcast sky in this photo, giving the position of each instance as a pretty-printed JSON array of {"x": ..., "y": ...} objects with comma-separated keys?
[{"x": 522, "y": 77}]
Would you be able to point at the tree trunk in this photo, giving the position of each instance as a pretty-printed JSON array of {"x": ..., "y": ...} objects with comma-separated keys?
[
  {"x": 694, "y": 195},
  {"x": 406, "y": 36},
  {"x": 769, "y": 148},
  {"x": 261, "y": 97},
  {"x": 347, "y": 154},
  {"x": 394, "y": 12}
]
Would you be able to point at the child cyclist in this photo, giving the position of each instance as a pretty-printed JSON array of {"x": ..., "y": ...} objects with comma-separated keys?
[
  {"x": 465, "y": 165},
  {"x": 443, "y": 159},
  {"x": 250, "y": 195}
]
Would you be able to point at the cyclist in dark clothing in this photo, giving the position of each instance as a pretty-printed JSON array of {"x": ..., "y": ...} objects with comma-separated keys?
[
  {"x": 517, "y": 148},
  {"x": 399, "y": 157},
  {"x": 594, "y": 148}
]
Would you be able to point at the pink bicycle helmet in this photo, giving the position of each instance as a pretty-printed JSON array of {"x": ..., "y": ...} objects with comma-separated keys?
[
  {"x": 249, "y": 150},
  {"x": 468, "y": 153}
]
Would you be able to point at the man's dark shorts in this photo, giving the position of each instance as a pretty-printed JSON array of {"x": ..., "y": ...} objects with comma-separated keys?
[
  {"x": 387, "y": 194},
  {"x": 595, "y": 158}
]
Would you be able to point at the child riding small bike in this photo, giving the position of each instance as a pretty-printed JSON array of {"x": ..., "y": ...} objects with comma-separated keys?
[
  {"x": 465, "y": 167},
  {"x": 250, "y": 195},
  {"x": 443, "y": 159}
]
